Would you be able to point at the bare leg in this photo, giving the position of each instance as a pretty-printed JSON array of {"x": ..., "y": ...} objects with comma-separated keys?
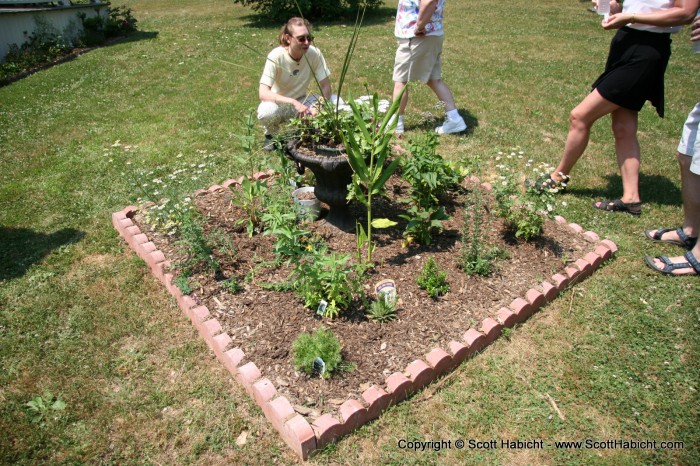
[
  {"x": 443, "y": 93},
  {"x": 581, "y": 119},
  {"x": 398, "y": 87},
  {"x": 690, "y": 191},
  {"x": 624, "y": 126}
]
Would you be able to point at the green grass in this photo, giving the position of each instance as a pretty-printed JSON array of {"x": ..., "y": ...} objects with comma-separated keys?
[{"x": 82, "y": 318}]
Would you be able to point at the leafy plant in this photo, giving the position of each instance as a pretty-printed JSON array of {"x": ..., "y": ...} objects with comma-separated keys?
[
  {"x": 183, "y": 284},
  {"x": 473, "y": 257},
  {"x": 323, "y": 276},
  {"x": 433, "y": 280},
  {"x": 430, "y": 177},
  {"x": 39, "y": 408},
  {"x": 194, "y": 241},
  {"x": 524, "y": 211},
  {"x": 231, "y": 285},
  {"x": 368, "y": 150},
  {"x": 250, "y": 197},
  {"x": 317, "y": 353},
  {"x": 383, "y": 309}
]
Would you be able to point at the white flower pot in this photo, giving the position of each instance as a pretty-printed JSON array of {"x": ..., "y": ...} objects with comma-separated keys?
[{"x": 306, "y": 208}]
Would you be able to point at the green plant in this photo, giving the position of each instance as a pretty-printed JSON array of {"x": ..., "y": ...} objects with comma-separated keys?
[
  {"x": 320, "y": 276},
  {"x": 433, "y": 280},
  {"x": 524, "y": 211},
  {"x": 383, "y": 309},
  {"x": 368, "y": 150},
  {"x": 39, "y": 408},
  {"x": 474, "y": 259},
  {"x": 183, "y": 284},
  {"x": 250, "y": 197},
  {"x": 317, "y": 353},
  {"x": 430, "y": 177},
  {"x": 196, "y": 244},
  {"x": 231, "y": 285}
]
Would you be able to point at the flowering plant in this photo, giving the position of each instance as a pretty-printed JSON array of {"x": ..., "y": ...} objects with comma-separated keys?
[{"x": 524, "y": 210}]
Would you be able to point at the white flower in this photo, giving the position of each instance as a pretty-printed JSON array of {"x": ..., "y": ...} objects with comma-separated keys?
[{"x": 564, "y": 204}]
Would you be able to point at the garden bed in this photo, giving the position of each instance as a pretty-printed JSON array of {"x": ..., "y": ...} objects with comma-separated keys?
[{"x": 264, "y": 323}]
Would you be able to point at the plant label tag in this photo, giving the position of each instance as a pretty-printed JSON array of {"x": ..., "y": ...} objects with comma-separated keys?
[
  {"x": 386, "y": 289},
  {"x": 319, "y": 366},
  {"x": 322, "y": 308}
]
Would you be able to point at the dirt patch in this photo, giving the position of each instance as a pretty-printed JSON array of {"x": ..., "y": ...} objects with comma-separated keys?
[{"x": 264, "y": 323}]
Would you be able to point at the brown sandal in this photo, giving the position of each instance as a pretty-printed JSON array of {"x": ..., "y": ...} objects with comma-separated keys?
[{"x": 616, "y": 205}]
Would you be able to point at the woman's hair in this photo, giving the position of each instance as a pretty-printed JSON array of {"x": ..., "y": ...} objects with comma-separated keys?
[{"x": 287, "y": 29}]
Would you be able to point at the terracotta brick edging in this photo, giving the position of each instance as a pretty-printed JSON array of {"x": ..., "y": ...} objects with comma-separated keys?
[{"x": 305, "y": 438}]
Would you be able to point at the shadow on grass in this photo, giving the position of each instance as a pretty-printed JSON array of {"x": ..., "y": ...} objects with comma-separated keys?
[
  {"x": 75, "y": 53},
  {"x": 654, "y": 188},
  {"x": 20, "y": 248},
  {"x": 377, "y": 16}
]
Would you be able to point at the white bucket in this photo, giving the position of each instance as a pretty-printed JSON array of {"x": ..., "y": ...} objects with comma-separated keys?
[{"x": 306, "y": 208}]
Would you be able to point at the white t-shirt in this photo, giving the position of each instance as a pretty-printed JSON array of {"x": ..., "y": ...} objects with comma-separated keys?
[
  {"x": 291, "y": 78},
  {"x": 648, "y": 6}
]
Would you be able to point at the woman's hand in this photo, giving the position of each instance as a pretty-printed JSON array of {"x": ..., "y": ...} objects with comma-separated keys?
[
  {"x": 695, "y": 30},
  {"x": 616, "y": 21}
]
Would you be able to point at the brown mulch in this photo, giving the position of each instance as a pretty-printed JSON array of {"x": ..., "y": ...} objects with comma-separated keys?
[{"x": 264, "y": 323}]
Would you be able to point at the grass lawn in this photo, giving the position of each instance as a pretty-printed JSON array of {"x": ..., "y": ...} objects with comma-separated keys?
[{"x": 83, "y": 321}]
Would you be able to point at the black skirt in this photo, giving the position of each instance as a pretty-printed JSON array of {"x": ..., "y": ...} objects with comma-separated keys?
[{"x": 634, "y": 72}]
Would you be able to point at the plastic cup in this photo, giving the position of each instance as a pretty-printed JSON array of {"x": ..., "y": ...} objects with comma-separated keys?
[{"x": 603, "y": 7}]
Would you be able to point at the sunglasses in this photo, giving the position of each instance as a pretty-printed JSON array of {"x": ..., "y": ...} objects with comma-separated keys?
[{"x": 302, "y": 39}]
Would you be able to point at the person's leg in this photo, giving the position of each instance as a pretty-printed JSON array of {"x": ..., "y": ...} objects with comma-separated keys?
[
  {"x": 690, "y": 193},
  {"x": 581, "y": 119},
  {"x": 443, "y": 93},
  {"x": 398, "y": 87},
  {"x": 624, "y": 127}
]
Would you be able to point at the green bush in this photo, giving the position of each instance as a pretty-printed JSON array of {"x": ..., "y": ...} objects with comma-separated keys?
[
  {"x": 321, "y": 344},
  {"x": 282, "y": 10},
  {"x": 433, "y": 280}
]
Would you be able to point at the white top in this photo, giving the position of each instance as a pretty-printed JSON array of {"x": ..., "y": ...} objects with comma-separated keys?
[
  {"x": 648, "y": 6},
  {"x": 291, "y": 78}
]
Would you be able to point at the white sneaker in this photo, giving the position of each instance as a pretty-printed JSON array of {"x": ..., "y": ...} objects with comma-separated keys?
[
  {"x": 450, "y": 126},
  {"x": 399, "y": 125}
]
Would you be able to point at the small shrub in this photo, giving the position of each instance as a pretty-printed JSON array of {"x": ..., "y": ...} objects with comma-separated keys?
[
  {"x": 433, "y": 280},
  {"x": 309, "y": 347}
]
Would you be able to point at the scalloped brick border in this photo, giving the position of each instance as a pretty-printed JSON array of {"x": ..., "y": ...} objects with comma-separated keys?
[{"x": 305, "y": 438}]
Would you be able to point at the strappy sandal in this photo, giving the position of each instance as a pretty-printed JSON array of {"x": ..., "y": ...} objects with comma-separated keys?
[
  {"x": 616, "y": 205},
  {"x": 670, "y": 266},
  {"x": 685, "y": 241},
  {"x": 548, "y": 184}
]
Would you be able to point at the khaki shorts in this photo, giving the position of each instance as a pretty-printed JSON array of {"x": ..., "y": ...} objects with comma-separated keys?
[
  {"x": 418, "y": 59},
  {"x": 690, "y": 139}
]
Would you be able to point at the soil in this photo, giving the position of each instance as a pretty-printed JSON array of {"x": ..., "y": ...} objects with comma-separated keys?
[{"x": 264, "y": 323}]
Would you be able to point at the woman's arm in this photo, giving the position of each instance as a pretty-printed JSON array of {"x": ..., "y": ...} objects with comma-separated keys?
[
  {"x": 682, "y": 12},
  {"x": 266, "y": 95}
]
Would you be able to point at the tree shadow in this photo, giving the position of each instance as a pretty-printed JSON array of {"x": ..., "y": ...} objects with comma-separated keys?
[
  {"x": 20, "y": 248},
  {"x": 654, "y": 188},
  {"x": 377, "y": 16}
]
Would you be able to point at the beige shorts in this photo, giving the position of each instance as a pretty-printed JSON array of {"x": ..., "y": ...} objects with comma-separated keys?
[{"x": 419, "y": 59}]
